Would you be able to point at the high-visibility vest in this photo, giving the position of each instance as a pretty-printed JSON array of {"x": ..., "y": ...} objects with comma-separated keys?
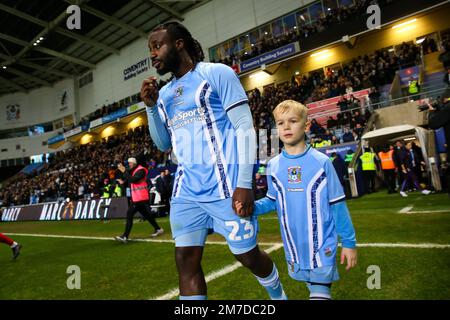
[
  {"x": 387, "y": 160},
  {"x": 139, "y": 190},
  {"x": 118, "y": 191},
  {"x": 368, "y": 163},
  {"x": 106, "y": 191},
  {"x": 413, "y": 88},
  {"x": 349, "y": 157}
]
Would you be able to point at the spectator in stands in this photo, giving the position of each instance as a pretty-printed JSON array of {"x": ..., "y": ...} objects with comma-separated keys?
[
  {"x": 331, "y": 122},
  {"x": 359, "y": 130},
  {"x": 355, "y": 103},
  {"x": 315, "y": 127},
  {"x": 343, "y": 104},
  {"x": 347, "y": 136},
  {"x": 374, "y": 96},
  {"x": 334, "y": 140}
]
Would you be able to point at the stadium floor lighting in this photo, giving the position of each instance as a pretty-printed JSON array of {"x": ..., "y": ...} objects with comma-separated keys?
[
  {"x": 404, "y": 23},
  {"x": 320, "y": 53}
]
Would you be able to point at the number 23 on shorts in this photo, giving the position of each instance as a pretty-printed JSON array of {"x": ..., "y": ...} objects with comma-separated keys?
[{"x": 248, "y": 229}]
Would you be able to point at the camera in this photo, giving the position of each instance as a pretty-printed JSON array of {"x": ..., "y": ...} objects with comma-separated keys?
[
  {"x": 115, "y": 164},
  {"x": 434, "y": 103}
]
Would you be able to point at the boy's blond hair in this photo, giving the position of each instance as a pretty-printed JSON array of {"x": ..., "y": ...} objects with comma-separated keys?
[{"x": 291, "y": 105}]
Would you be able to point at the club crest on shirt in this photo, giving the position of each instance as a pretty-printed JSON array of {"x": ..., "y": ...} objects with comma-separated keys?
[
  {"x": 328, "y": 252},
  {"x": 294, "y": 174},
  {"x": 178, "y": 92}
]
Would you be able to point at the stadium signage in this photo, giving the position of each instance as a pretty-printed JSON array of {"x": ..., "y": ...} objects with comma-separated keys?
[
  {"x": 407, "y": 74},
  {"x": 135, "y": 69},
  {"x": 269, "y": 57},
  {"x": 72, "y": 132},
  {"x": 11, "y": 214},
  {"x": 95, "y": 209},
  {"x": 95, "y": 123},
  {"x": 136, "y": 107},
  {"x": 341, "y": 150},
  {"x": 55, "y": 139},
  {"x": 113, "y": 116}
]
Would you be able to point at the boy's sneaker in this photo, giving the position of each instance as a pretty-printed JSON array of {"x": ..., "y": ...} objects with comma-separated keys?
[
  {"x": 122, "y": 239},
  {"x": 426, "y": 192},
  {"x": 16, "y": 251},
  {"x": 403, "y": 194},
  {"x": 157, "y": 232}
]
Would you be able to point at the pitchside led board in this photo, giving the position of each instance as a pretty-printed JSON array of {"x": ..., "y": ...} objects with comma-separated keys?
[{"x": 95, "y": 209}]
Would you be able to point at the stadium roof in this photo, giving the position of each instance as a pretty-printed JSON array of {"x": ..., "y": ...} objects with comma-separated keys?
[
  {"x": 106, "y": 27},
  {"x": 390, "y": 132}
]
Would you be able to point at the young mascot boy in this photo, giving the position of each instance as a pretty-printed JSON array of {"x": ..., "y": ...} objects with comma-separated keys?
[{"x": 306, "y": 192}]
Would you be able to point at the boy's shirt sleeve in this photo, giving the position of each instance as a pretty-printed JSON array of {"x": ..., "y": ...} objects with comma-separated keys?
[
  {"x": 226, "y": 83},
  {"x": 264, "y": 205},
  {"x": 268, "y": 203},
  {"x": 338, "y": 207}
]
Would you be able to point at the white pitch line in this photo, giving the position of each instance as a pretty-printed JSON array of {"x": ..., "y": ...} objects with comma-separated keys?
[
  {"x": 406, "y": 209},
  {"x": 172, "y": 293},
  {"x": 112, "y": 239},
  {"x": 430, "y": 211},
  {"x": 405, "y": 245},
  {"x": 375, "y": 244}
]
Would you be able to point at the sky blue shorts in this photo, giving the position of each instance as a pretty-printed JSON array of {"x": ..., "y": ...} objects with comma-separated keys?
[
  {"x": 191, "y": 222},
  {"x": 325, "y": 274}
]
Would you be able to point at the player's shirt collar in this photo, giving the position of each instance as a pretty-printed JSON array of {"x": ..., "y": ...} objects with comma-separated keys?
[{"x": 295, "y": 156}]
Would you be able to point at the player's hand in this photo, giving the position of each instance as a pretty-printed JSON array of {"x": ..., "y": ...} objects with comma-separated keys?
[
  {"x": 149, "y": 92},
  {"x": 351, "y": 255},
  {"x": 121, "y": 181},
  {"x": 121, "y": 167},
  {"x": 246, "y": 199}
]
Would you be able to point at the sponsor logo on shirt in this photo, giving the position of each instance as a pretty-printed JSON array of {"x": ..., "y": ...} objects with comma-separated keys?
[{"x": 184, "y": 118}]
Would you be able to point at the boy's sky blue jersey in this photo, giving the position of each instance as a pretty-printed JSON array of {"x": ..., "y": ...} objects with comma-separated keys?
[
  {"x": 304, "y": 187},
  {"x": 194, "y": 109}
]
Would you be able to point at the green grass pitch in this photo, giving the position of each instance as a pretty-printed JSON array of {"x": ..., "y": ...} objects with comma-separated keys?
[{"x": 146, "y": 270}]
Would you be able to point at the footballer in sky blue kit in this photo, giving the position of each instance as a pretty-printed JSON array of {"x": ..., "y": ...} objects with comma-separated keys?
[
  {"x": 202, "y": 114},
  {"x": 304, "y": 189}
]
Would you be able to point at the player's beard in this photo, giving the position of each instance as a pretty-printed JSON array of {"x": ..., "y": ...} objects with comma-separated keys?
[{"x": 171, "y": 62}]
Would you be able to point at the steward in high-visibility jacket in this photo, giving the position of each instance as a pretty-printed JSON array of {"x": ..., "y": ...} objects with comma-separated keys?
[
  {"x": 413, "y": 87},
  {"x": 387, "y": 159},
  {"x": 139, "y": 189},
  {"x": 388, "y": 165},
  {"x": 106, "y": 189},
  {"x": 369, "y": 169},
  {"x": 117, "y": 191},
  {"x": 349, "y": 157},
  {"x": 139, "y": 197},
  {"x": 368, "y": 161}
]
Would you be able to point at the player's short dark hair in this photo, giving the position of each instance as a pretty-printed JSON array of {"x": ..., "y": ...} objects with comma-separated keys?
[{"x": 177, "y": 31}]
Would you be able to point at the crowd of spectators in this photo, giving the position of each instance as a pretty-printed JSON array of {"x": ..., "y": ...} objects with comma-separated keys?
[
  {"x": 329, "y": 19},
  {"x": 80, "y": 172}
]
